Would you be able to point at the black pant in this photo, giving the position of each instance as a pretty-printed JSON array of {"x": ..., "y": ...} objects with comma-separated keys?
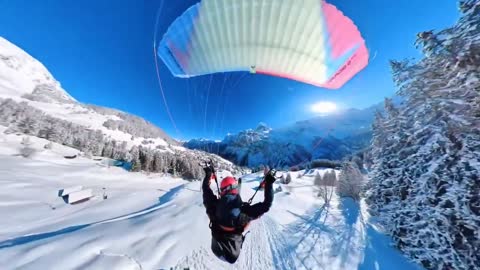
[{"x": 227, "y": 246}]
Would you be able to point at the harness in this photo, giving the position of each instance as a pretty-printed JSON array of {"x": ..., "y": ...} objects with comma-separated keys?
[
  {"x": 234, "y": 230},
  {"x": 228, "y": 217}
]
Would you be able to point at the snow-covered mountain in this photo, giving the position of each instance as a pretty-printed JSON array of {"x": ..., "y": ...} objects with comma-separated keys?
[
  {"x": 24, "y": 79},
  {"x": 32, "y": 102},
  {"x": 21, "y": 74},
  {"x": 328, "y": 137}
]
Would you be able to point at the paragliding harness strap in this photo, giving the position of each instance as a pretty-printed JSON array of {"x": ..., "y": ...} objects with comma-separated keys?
[
  {"x": 243, "y": 237},
  {"x": 225, "y": 228},
  {"x": 259, "y": 187},
  {"x": 216, "y": 181},
  {"x": 209, "y": 164},
  {"x": 251, "y": 198},
  {"x": 214, "y": 174}
]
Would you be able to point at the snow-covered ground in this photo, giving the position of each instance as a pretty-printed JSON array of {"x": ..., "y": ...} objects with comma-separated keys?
[{"x": 155, "y": 222}]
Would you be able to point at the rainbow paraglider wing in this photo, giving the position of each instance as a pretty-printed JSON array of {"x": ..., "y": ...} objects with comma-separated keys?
[{"x": 309, "y": 41}]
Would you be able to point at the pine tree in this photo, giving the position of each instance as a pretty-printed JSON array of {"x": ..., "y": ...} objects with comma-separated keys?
[
  {"x": 48, "y": 130},
  {"x": 27, "y": 125},
  {"x": 108, "y": 149},
  {"x": 157, "y": 162},
  {"x": 146, "y": 158},
  {"x": 135, "y": 159},
  {"x": 27, "y": 150},
  {"x": 424, "y": 181},
  {"x": 48, "y": 146}
]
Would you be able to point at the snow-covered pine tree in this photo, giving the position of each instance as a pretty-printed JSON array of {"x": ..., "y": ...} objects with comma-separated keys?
[
  {"x": 119, "y": 150},
  {"x": 48, "y": 131},
  {"x": 425, "y": 180},
  {"x": 95, "y": 143},
  {"x": 108, "y": 149},
  {"x": 157, "y": 162},
  {"x": 48, "y": 146},
  {"x": 27, "y": 126},
  {"x": 135, "y": 159},
  {"x": 146, "y": 159},
  {"x": 7, "y": 111},
  {"x": 27, "y": 150}
]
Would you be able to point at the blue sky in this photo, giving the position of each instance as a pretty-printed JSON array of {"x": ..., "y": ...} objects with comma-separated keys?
[{"x": 101, "y": 52}]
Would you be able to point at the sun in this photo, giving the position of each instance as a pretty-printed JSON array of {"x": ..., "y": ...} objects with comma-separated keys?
[{"x": 324, "y": 107}]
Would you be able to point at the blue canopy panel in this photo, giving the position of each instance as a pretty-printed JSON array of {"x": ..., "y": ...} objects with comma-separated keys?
[{"x": 174, "y": 49}]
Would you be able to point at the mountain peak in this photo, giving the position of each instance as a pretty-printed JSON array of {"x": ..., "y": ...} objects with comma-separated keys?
[
  {"x": 262, "y": 127},
  {"x": 22, "y": 74}
]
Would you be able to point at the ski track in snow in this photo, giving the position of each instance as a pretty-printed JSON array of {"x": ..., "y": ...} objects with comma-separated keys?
[
  {"x": 105, "y": 253},
  {"x": 281, "y": 250},
  {"x": 254, "y": 255}
]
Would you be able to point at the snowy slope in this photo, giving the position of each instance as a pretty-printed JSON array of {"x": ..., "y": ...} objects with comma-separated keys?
[
  {"x": 20, "y": 73},
  {"x": 155, "y": 222},
  {"x": 23, "y": 78}
]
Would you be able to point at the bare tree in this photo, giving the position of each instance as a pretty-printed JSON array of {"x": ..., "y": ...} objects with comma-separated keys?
[
  {"x": 350, "y": 182},
  {"x": 288, "y": 179},
  {"x": 317, "y": 181},
  {"x": 325, "y": 185}
]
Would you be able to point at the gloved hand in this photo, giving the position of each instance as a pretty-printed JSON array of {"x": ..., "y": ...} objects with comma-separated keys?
[
  {"x": 208, "y": 168},
  {"x": 270, "y": 176}
]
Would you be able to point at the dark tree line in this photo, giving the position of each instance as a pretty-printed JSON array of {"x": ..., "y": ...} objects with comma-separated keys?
[{"x": 22, "y": 118}]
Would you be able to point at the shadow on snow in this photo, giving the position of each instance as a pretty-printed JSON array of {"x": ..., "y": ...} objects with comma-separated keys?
[
  {"x": 380, "y": 254},
  {"x": 352, "y": 242},
  {"x": 165, "y": 198}
]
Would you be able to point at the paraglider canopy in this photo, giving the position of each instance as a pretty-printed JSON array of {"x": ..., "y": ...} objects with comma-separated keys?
[{"x": 309, "y": 41}]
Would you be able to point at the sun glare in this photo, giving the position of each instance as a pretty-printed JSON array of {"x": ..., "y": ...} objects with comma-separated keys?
[{"x": 324, "y": 107}]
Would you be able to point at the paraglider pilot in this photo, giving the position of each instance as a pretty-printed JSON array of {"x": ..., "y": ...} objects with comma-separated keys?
[{"x": 229, "y": 215}]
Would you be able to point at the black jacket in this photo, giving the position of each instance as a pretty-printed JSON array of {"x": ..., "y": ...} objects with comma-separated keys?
[{"x": 229, "y": 243}]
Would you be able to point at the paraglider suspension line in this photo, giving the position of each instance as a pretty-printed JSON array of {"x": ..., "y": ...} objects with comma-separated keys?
[
  {"x": 158, "y": 71},
  {"x": 206, "y": 105}
]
